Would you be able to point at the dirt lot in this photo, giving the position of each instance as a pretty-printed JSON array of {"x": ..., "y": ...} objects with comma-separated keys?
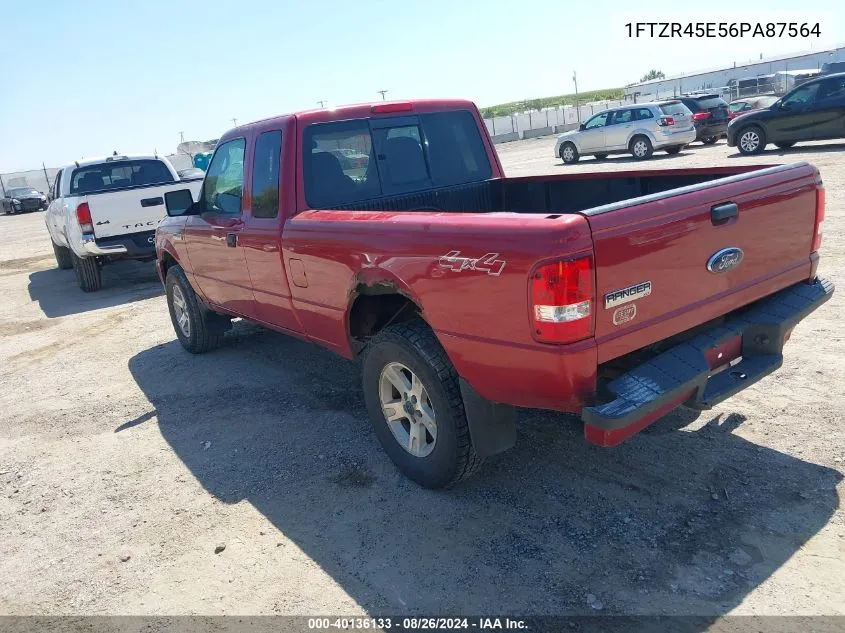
[{"x": 125, "y": 462}]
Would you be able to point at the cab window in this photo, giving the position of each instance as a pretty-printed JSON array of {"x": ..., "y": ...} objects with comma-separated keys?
[
  {"x": 600, "y": 120},
  {"x": 224, "y": 180}
]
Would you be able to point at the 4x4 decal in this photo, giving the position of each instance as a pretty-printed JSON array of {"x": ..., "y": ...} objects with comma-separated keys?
[{"x": 486, "y": 263}]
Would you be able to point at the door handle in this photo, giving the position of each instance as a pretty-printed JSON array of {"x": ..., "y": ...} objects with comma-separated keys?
[
  {"x": 232, "y": 240},
  {"x": 721, "y": 213}
]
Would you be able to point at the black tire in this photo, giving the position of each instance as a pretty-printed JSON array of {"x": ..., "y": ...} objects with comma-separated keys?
[
  {"x": 413, "y": 344},
  {"x": 567, "y": 157},
  {"x": 710, "y": 140},
  {"x": 674, "y": 149},
  {"x": 748, "y": 148},
  {"x": 87, "y": 271},
  {"x": 62, "y": 253},
  {"x": 649, "y": 150},
  {"x": 785, "y": 144},
  {"x": 206, "y": 328},
  {"x": 600, "y": 156}
]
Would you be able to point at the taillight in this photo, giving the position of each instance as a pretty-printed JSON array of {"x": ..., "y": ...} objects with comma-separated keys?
[
  {"x": 700, "y": 116},
  {"x": 562, "y": 301},
  {"x": 665, "y": 120},
  {"x": 817, "y": 237},
  {"x": 83, "y": 216}
]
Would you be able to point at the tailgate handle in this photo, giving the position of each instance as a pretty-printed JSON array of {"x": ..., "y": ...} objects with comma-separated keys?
[
  {"x": 152, "y": 202},
  {"x": 721, "y": 213}
]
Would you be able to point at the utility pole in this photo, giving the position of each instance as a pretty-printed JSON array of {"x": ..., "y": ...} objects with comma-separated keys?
[
  {"x": 2, "y": 187},
  {"x": 46, "y": 177},
  {"x": 577, "y": 108},
  {"x": 235, "y": 121},
  {"x": 181, "y": 137},
  {"x": 382, "y": 93},
  {"x": 322, "y": 103}
]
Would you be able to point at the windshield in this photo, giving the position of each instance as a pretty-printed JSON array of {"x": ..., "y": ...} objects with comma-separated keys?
[{"x": 23, "y": 191}]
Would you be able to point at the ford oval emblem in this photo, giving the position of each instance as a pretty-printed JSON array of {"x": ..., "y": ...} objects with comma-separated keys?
[{"x": 724, "y": 260}]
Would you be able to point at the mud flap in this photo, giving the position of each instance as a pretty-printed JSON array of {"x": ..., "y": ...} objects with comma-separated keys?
[{"x": 492, "y": 426}]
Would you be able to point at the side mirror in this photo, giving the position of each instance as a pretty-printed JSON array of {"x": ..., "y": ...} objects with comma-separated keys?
[
  {"x": 582, "y": 127},
  {"x": 179, "y": 202}
]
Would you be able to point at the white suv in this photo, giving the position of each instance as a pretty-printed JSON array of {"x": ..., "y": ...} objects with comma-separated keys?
[{"x": 634, "y": 129}]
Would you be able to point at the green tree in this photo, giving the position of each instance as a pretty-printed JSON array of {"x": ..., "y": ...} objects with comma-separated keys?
[{"x": 653, "y": 74}]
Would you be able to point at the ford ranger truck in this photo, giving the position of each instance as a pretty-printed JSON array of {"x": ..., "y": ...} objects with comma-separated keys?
[
  {"x": 389, "y": 234},
  {"x": 106, "y": 209}
]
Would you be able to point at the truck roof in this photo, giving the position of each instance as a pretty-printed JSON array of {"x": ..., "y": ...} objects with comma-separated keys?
[
  {"x": 113, "y": 158},
  {"x": 355, "y": 111}
]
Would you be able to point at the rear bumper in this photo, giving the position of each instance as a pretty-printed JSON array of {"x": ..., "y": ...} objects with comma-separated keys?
[
  {"x": 706, "y": 130},
  {"x": 685, "y": 373},
  {"x": 669, "y": 139},
  {"x": 134, "y": 246}
]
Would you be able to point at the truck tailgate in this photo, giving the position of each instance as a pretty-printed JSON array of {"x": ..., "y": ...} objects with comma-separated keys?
[
  {"x": 128, "y": 210},
  {"x": 673, "y": 260}
]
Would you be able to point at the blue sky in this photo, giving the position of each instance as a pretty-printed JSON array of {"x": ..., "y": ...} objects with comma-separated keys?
[{"x": 84, "y": 78}]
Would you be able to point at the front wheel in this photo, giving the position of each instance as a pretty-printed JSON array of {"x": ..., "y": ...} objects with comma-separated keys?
[
  {"x": 569, "y": 153},
  {"x": 673, "y": 150},
  {"x": 415, "y": 405},
  {"x": 751, "y": 140},
  {"x": 87, "y": 271},
  {"x": 198, "y": 329},
  {"x": 640, "y": 147}
]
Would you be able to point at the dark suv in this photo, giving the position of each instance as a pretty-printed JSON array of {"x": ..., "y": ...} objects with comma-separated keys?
[
  {"x": 710, "y": 114},
  {"x": 813, "y": 111}
]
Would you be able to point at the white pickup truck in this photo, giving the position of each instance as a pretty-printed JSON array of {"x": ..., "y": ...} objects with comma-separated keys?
[{"x": 107, "y": 209}]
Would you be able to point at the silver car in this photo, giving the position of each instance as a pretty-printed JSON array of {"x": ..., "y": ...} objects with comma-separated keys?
[{"x": 633, "y": 129}]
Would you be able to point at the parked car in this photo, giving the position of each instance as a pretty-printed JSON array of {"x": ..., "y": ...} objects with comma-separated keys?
[
  {"x": 741, "y": 106},
  {"x": 106, "y": 209},
  {"x": 350, "y": 159},
  {"x": 22, "y": 199},
  {"x": 710, "y": 115},
  {"x": 830, "y": 68},
  {"x": 635, "y": 129},
  {"x": 464, "y": 294},
  {"x": 813, "y": 111}
]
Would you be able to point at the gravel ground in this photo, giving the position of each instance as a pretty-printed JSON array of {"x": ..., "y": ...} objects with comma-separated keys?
[{"x": 138, "y": 479}]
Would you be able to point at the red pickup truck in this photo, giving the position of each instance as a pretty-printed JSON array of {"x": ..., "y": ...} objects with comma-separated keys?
[{"x": 389, "y": 233}]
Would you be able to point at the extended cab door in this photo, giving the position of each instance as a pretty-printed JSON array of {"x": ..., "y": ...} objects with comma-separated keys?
[
  {"x": 830, "y": 108},
  {"x": 213, "y": 237},
  {"x": 261, "y": 234}
]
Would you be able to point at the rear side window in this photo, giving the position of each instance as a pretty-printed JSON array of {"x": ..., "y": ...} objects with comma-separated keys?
[
  {"x": 708, "y": 103},
  {"x": 117, "y": 175},
  {"x": 265, "y": 175},
  {"x": 832, "y": 90},
  {"x": 352, "y": 161},
  {"x": 641, "y": 114},
  {"x": 674, "y": 109}
]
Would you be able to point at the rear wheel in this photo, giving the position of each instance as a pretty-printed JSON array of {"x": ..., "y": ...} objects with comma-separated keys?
[
  {"x": 674, "y": 150},
  {"x": 569, "y": 153},
  {"x": 710, "y": 140},
  {"x": 751, "y": 140},
  {"x": 414, "y": 401},
  {"x": 63, "y": 258},
  {"x": 87, "y": 271},
  {"x": 198, "y": 329},
  {"x": 640, "y": 147},
  {"x": 601, "y": 156},
  {"x": 785, "y": 144}
]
